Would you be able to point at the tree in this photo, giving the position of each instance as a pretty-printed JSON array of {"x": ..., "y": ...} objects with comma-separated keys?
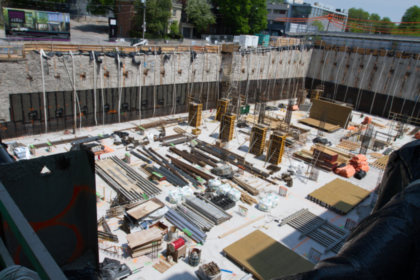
[
  {"x": 318, "y": 25},
  {"x": 243, "y": 16},
  {"x": 356, "y": 18},
  {"x": 46, "y": 5},
  {"x": 258, "y": 16},
  {"x": 411, "y": 21},
  {"x": 174, "y": 30},
  {"x": 101, "y": 7},
  {"x": 199, "y": 13},
  {"x": 158, "y": 13},
  {"x": 386, "y": 26}
]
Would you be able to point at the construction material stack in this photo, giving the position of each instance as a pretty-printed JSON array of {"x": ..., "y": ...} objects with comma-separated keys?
[
  {"x": 276, "y": 148},
  {"x": 194, "y": 114},
  {"x": 258, "y": 137},
  {"x": 222, "y": 106},
  {"x": 326, "y": 158},
  {"x": 227, "y": 126}
]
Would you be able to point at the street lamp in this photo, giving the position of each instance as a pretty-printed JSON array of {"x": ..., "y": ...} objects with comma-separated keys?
[{"x": 144, "y": 16}]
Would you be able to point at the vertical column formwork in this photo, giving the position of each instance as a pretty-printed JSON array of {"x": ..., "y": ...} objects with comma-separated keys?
[
  {"x": 194, "y": 114},
  {"x": 222, "y": 106},
  {"x": 227, "y": 127},
  {"x": 276, "y": 148},
  {"x": 258, "y": 136}
]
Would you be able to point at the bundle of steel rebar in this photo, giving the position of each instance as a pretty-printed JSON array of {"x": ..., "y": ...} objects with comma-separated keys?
[
  {"x": 147, "y": 186},
  {"x": 208, "y": 209},
  {"x": 194, "y": 217},
  {"x": 187, "y": 167},
  {"x": 184, "y": 225},
  {"x": 128, "y": 195},
  {"x": 187, "y": 156}
]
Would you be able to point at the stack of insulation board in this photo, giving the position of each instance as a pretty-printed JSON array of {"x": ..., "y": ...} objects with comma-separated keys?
[
  {"x": 227, "y": 127},
  {"x": 276, "y": 148},
  {"x": 326, "y": 158},
  {"x": 144, "y": 242},
  {"x": 222, "y": 106},
  {"x": 194, "y": 114},
  {"x": 257, "y": 141}
]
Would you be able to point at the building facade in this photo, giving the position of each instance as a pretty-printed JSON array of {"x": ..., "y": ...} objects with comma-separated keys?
[{"x": 299, "y": 17}]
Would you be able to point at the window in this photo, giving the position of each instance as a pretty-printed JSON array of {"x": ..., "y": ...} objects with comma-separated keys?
[
  {"x": 174, "y": 12},
  {"x": 280, "y": 12}
]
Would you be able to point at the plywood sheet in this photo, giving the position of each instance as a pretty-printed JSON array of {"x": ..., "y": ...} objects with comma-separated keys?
[
  {"x": 330, "y": 112},
  {"x": 339, "y": 195},
  {"x": 145, "y": 209},
  {"x": 317, "y": 124},
  {"x": 266, "y": 258}
]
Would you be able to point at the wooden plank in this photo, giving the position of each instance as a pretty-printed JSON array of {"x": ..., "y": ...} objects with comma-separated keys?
[
  {"x": 145, "y": 209},
  {"x": 241, "y": 226}
]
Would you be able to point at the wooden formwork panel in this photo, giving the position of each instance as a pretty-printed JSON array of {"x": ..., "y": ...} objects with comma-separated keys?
[
  {"x": 257, "y": 142},
  {"x": 266, "y": 258},
  {"x": 227, "y": 127},
  {"x": 328, "y": 127},
  {"x": 276, "y": 148},
  {"x": 330, "y": 112},
  {"x": 194, "y": 114},
  {"x": 339, "y": 195}
]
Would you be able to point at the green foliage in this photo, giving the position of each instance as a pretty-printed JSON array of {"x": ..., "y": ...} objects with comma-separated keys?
[
  {"x": 199, "y": 13},
  {"x": 174, "y": 30},
  {"x": 158, "y": 13},
  {"x": 318, "y": 25},
  {"x": 243, "y": 16},
  {"x": 101, "y": 7},
  {"x": 361, "y": 21},
  {"x": 412, "y": 19}
]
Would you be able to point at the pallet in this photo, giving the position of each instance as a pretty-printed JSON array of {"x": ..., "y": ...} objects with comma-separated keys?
[
  {"x": 162, "y": 266},
  {"x": 381, "y": 162},
  {"x": 348, "y": 145}
]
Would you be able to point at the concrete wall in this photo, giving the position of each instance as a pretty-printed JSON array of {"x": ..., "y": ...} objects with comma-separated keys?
[
  {"x": 398, "y": 77},
  {"x": 165, "y": 69}
]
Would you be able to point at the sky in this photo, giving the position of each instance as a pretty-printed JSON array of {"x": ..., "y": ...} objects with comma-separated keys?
[{"x": 384, "y": 8}]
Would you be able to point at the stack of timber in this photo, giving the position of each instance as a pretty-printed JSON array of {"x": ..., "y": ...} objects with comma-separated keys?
[
  {"x": 245, "y": 186},
  {"x": 222, "y": 106},
  {"x": 326, "y": 158},
  {"x": 144, "y": 242},
  {"x": 343, "y": 157},
  {"x": 257, "y": 141},
  {"x": 194, "y": 114},
  {"x": 227, "y": 127},
  {"x": 276, "y": 148},
  {"x": 188, "y": 168}
]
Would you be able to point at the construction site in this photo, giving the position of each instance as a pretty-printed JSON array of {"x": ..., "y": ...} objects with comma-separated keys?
[{"x": 197, "y": 162}]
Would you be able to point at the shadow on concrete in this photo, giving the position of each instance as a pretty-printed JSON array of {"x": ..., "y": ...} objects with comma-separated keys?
[{"x": 92, "y": 28}]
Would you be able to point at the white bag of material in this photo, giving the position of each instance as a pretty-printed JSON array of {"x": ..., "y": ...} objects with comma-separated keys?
[
  {"x": 214, "y": 184},
  {"x": 158, "y": 213},
  {"x": 264, "y": 204},
  {"x": 274, "y": 199},
  {"x": 186, "y": 191},
  {"x": 175, "y": 196},
  {"x": 234, "y": 194},
  {"x": 22, "y": 152},
  {"x": 224, "y": 189}
]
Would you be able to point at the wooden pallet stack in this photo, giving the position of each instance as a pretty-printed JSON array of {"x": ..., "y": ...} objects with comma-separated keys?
[
  {"x": 326, "y": 158},
  {"x": 222, "y": 106},
  {"x": 227, "y": 127},
  {"x": 257, "y": 142},
  {"x": 194, "y": 114},
  {"x": 276, "y": 148}
]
